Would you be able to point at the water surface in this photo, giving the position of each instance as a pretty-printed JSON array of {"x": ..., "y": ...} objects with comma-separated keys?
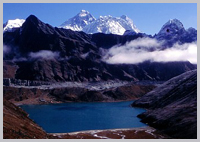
[{"x": 72, "y": 117}]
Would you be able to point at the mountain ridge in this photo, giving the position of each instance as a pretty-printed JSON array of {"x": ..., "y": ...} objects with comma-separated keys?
[
  {"x": 172, "y": 106},
  {"x": 76, "y": 56}
]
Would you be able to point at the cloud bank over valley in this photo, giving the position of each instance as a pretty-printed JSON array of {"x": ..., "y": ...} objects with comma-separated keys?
[{"x": 147, "y": 49}]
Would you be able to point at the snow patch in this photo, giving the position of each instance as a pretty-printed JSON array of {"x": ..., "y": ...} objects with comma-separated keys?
[{"x": 11, "y": 24}]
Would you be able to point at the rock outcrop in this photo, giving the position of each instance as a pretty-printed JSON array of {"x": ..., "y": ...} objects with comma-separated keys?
[{"x": 172, "y": 107}]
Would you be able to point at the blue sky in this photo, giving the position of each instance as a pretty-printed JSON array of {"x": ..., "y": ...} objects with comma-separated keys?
[{"x": 148, "y": 17}]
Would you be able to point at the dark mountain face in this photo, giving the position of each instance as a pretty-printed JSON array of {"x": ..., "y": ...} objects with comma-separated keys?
[
  {"x": 108, "y": 40},
  {"x": 35, "y": 35},
  {"x": 173, "y": 32},
  {"x": 43, "y": 52},
  {"x": 172, "y": 107}
]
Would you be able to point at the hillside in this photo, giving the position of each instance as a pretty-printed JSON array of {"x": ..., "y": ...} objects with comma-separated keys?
[
  {"x": 172, "y": 107},
  {"x": 17, "y": 124}
]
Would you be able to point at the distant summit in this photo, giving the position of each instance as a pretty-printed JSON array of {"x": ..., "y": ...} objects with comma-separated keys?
[
  {"x": 111, "y": 25},
  {"x": 12, "y": 24},
  {"x": 85, "y": 22},
  {"x": 78, "y": 22},
  {"x": 173, "y": 31},
  {"x": 171, "y": 27}
]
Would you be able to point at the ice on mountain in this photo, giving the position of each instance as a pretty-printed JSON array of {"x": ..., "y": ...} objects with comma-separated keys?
[
  {"x": 8, "y": 26},
  {"x": 104, "y": 24},
  {"x": 78, "y": 22}
]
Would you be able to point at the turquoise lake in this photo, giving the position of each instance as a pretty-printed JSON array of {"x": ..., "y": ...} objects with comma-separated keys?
[{"x": 72, "y": 117}]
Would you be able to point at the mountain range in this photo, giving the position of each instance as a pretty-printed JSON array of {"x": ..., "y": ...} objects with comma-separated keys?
[
  {"x": 43, "y": 52},
  {"x": 87, "y": 23},
  {"x": 78, "y": 51}
]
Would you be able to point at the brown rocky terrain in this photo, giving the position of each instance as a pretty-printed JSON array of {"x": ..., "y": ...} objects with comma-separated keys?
[
  {"x": 22, "y": 95},
  {"x": 172, "y": 107},
  {"x": 17, "y": 124},
  {"x": 9, "y": 69},
  {"x": 25, "y": 95}
]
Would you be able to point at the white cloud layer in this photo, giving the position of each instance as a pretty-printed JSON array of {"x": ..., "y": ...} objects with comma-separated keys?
[
  {"x": 143, "y": 49},
  {"x": 45, "y": 54},
  {"x": 6, "y": 49}
]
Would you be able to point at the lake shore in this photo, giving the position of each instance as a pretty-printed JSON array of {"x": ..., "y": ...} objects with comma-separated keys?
[{"x": 127, "y": 133}]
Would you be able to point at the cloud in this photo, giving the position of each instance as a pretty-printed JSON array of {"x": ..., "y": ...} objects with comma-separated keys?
[
  {"x": 143, "y": 49},
  {"x": 6, "y": 49},
  {"x": 19, "y": 59},
  {"x": 44, "y": 54}
]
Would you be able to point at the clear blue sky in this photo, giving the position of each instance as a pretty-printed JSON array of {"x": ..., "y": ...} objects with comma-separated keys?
[{"x": 149, "y": 18}]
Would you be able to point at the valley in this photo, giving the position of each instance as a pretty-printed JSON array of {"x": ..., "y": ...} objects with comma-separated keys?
[
  {"x": 106, "y": 91},
  {"x": 89, "y": 64}
]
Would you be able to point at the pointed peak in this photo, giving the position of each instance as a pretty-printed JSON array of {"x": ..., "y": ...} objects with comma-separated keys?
[
  {"x": 124, "y": 16},
  {"x": 83, "y": 13},
  {"x": 32, "y": 20},
  {"x": 176, "y": 22},
  {"x": 31, "y": 17}
]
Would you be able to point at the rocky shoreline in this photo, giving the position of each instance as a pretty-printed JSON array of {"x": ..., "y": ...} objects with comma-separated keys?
[{"x": 128, "y": 133}]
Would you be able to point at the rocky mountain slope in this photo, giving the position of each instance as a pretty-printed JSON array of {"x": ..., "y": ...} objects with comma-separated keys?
[
  {"x": 42, "y": 52},
  {"x": 172, "y": 107},
  {"x": 173, "y": 31},
  {"x": 17, "y": 124}
]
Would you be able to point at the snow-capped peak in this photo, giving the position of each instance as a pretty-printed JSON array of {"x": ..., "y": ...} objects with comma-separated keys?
[
  {"x": 83, "y": 13},
  {"x": 78, "y": 22},
  {"x": 175, "y": 22},
  {"x": 173, "y": 31},
  {"x": 113, "y": 25},
  {"x": 172, "y": 26},
  {"x": 84, "y": 21},
  {"x": 10, "y": 24},
  {"x": 130, "y": 22}
]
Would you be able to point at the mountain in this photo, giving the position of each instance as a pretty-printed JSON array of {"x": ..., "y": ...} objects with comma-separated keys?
[
  {"x": 17, "y": 124},
  {"x": 12, "y": 24},
  {"x": 46, "y": 53},
  {"x": 173, "y": 31},
  {"x": 172, "y": 106},
  {"x": 111, "y": 25},
  {"x": 85, "y": 22},
  {"x": 78, "y": 22}
]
